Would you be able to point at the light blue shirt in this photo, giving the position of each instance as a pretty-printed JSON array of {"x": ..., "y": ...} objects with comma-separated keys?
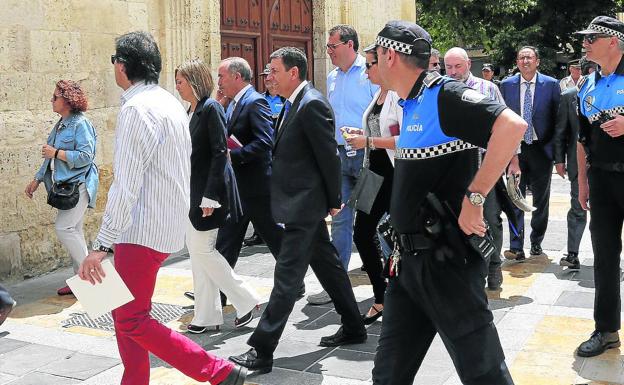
[{"x": 349, "y": 94}]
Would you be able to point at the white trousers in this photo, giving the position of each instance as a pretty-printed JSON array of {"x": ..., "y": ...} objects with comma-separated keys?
[
  {"x": 211, "y": 273},
  {"x": 68, "y": 227}
]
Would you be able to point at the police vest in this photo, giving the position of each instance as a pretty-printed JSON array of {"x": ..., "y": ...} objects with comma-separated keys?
[
  {"x": 607, "y": 96},
  {"x": 421, "y": 134}
]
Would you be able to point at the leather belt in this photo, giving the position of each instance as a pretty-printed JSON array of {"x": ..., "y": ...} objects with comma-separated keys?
[{"x": 414, "y": 242}]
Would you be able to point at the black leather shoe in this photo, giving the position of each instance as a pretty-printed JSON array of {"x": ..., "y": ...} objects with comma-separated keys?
[
  {"x": 6, "y": 306},
  {"x": 190, "y": 295},
  {"x": 571, "y": 261},
  {"x": 301, "y": 293},
  {"x": 598, "y": 343},
  {"x": 536, "y": 249},
  {"x": 514, "y": 254},
  {"x": 252, "y": 361},
  {"x": 340, "y": 338},
  {"x": 253, "y": 240},
  {"x": 495, "y": 277},
  {"x": 236, "y": 377}
]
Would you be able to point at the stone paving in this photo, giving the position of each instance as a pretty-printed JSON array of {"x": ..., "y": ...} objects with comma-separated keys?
[{"x": 542, "y": 314}]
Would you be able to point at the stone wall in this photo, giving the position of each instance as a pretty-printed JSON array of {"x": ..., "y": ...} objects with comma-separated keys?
[{"x": 42, "y": 41}]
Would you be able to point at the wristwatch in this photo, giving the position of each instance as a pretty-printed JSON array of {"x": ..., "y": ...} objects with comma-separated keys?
[
  {"x": 97, "y": 246},
  {"x": 475, "y": 198}
]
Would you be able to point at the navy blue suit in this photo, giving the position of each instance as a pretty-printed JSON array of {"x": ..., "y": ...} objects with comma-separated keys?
[
  {"x": 251, "y": 124},
  {"x": 536, "y": 159}
]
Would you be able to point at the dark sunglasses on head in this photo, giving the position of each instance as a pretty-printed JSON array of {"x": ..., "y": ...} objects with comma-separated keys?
[
  {"x": 592, "y": 37},
  {"x": 369, "y": 65}
]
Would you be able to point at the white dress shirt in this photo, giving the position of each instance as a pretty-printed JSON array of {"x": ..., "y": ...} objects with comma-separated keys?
[{"x": 148, "y": 202}]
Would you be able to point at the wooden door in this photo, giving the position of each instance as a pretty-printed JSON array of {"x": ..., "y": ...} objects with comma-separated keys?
[{"x": 253, "y": 29}]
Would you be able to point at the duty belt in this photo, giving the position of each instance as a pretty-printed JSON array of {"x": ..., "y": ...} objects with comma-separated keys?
[
  {"x": 432, "y": 151},
  {"x": 413, "y": 242}
]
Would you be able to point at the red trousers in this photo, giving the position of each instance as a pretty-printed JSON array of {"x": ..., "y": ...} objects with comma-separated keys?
[{"x": 138, "y": 333}]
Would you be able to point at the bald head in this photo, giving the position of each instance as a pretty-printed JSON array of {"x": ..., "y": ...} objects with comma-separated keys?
[{"x": 457, "y": 64}]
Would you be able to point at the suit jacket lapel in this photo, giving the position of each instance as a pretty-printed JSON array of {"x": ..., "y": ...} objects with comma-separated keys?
[
  {"x": 539, "y": 85},
  {"x": 291, "y": 112},
  {"x": 238, "y": 108}
]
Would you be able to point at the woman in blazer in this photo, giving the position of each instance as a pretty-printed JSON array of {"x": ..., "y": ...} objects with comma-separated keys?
[
  {"x": 381, "y": 122},
  {"x": 214, "y": 199}
]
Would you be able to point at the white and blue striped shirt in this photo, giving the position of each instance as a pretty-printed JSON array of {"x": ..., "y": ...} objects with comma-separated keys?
[{"x": 148, "y": 201}]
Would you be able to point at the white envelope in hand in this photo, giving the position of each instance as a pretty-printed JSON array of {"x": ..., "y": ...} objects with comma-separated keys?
[{"x": 103, "y": 297}]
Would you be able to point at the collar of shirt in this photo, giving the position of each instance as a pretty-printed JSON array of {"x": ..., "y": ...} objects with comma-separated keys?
[
  {"x": 296, "y": 92},
  {"x": 532, "y": 81},
  {"x": 134, "y": 89},
  {"x": 359, "y": 62},
  {"x": 241, "y": 93},
  {"x": 415, "y": 90}
]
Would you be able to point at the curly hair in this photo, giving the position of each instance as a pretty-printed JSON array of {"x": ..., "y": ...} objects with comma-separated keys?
[
  {"x": 139, "y": 53},
  {"x": 73, "y": 94}
]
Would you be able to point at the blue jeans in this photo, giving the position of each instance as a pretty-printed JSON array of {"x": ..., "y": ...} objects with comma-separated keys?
[{"x": 342, "y": 224}]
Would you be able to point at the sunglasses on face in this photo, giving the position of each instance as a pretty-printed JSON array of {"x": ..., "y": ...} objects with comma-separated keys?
[
  {"x": 333, "y": 46},
  {"x": 369, "y": 65},
  {"x": 592, "y": 37},
  {"x": 115, "y": 58}
]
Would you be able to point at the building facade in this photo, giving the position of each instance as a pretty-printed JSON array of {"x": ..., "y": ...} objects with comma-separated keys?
[{"x": 42, "y": 41}]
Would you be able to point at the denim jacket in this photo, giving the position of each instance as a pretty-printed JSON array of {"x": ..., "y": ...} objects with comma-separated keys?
[{"x": 77, "y": 137}]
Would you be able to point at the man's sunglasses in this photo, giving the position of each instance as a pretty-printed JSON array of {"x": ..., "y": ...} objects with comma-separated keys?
[
  {"x": 592, "y": 37},
  {"x": 115, "y": 58},
  {"x": 369, "y": 65}
]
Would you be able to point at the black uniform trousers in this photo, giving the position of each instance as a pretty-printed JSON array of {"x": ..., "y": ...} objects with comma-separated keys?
[
  {"x": 303, "y": 245},
  {"x": 365, "y": 228},
  {"x": 257, "y": 210},
  {"x": 536, "y": 170},
  {"x": 492, "y": 214},
  {"x": 577, "y": 217},
  {"x": 606, "y": 204},
  {"x": 430, "y": 297}
]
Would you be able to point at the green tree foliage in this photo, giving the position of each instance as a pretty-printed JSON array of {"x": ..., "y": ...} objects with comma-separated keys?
[{"x": 499, "y": 27}]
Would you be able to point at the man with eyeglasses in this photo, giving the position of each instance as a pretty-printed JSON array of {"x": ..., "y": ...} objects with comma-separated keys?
[
  {"x": 600, "y": 157},
  {"x": 349, "y": 92},
  {"x": 535, "y": 97},
  {"x": 434, "y": 60}
]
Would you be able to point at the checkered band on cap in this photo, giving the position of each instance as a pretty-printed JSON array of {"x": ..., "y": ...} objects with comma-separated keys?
[
  {"x": 605, "y": 30},
  {"x": 612, "y": 111},
  {"x": 433, "y": 151},
  {"x": 395, "y": 45}
]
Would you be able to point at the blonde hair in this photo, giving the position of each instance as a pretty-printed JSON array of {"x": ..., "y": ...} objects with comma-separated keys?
[{"x": 198, "y": 75}]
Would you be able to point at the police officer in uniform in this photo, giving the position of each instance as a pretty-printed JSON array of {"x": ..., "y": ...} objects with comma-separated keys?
[
  {"x": 433, "y": 288},
  {"x": 601, "y": 173}
]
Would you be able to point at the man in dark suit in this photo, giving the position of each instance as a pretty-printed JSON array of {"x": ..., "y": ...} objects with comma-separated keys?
[
  {"x": 305, "y": 187},
  {"x": 535, "y": 97},
  {"x": 249, "y": 121},
  {"x": 565, "y": 140}
]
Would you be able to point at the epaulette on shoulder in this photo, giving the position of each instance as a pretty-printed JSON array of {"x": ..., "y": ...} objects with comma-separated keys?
[
  {"x": 580, "y": 83},
  {"x": 432, "y": 78}
]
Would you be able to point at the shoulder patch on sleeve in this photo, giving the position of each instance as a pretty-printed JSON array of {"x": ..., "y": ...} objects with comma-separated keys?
[
  {"x": 432, "y": 78},
  {"x": 580, "y": 83},
  {"x": 472, "y": 96}
]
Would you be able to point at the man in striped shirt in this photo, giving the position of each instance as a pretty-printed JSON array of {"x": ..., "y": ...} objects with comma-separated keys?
[
  {"x": 147, "y": 208},
  {"x": 457, "y": 65}
]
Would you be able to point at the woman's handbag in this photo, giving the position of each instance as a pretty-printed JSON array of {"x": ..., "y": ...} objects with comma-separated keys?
[
  {"x": 64, "y": 196},
  {"x": 365, "y": 190}
]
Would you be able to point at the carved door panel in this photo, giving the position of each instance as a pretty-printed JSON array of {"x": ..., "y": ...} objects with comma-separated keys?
[{"x": 253, "y": 29}]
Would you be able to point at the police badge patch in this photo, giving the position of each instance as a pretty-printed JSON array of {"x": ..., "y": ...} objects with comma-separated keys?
[
  {"x": 589, "y": 102},
  {"x": 472, "y": 96}
]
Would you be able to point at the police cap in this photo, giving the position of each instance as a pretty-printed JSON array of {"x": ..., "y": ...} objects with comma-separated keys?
[
  {"x": 605, "y": 25},
  {"x": 487, "y": 67},
  {"x": 405, "y": 37},
  {"x": 267, "y": 70},
  {"x": 574, "y": 63}
]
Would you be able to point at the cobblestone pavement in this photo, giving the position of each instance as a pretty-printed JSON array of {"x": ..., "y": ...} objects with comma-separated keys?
[{"x": 542, "y": 314}]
